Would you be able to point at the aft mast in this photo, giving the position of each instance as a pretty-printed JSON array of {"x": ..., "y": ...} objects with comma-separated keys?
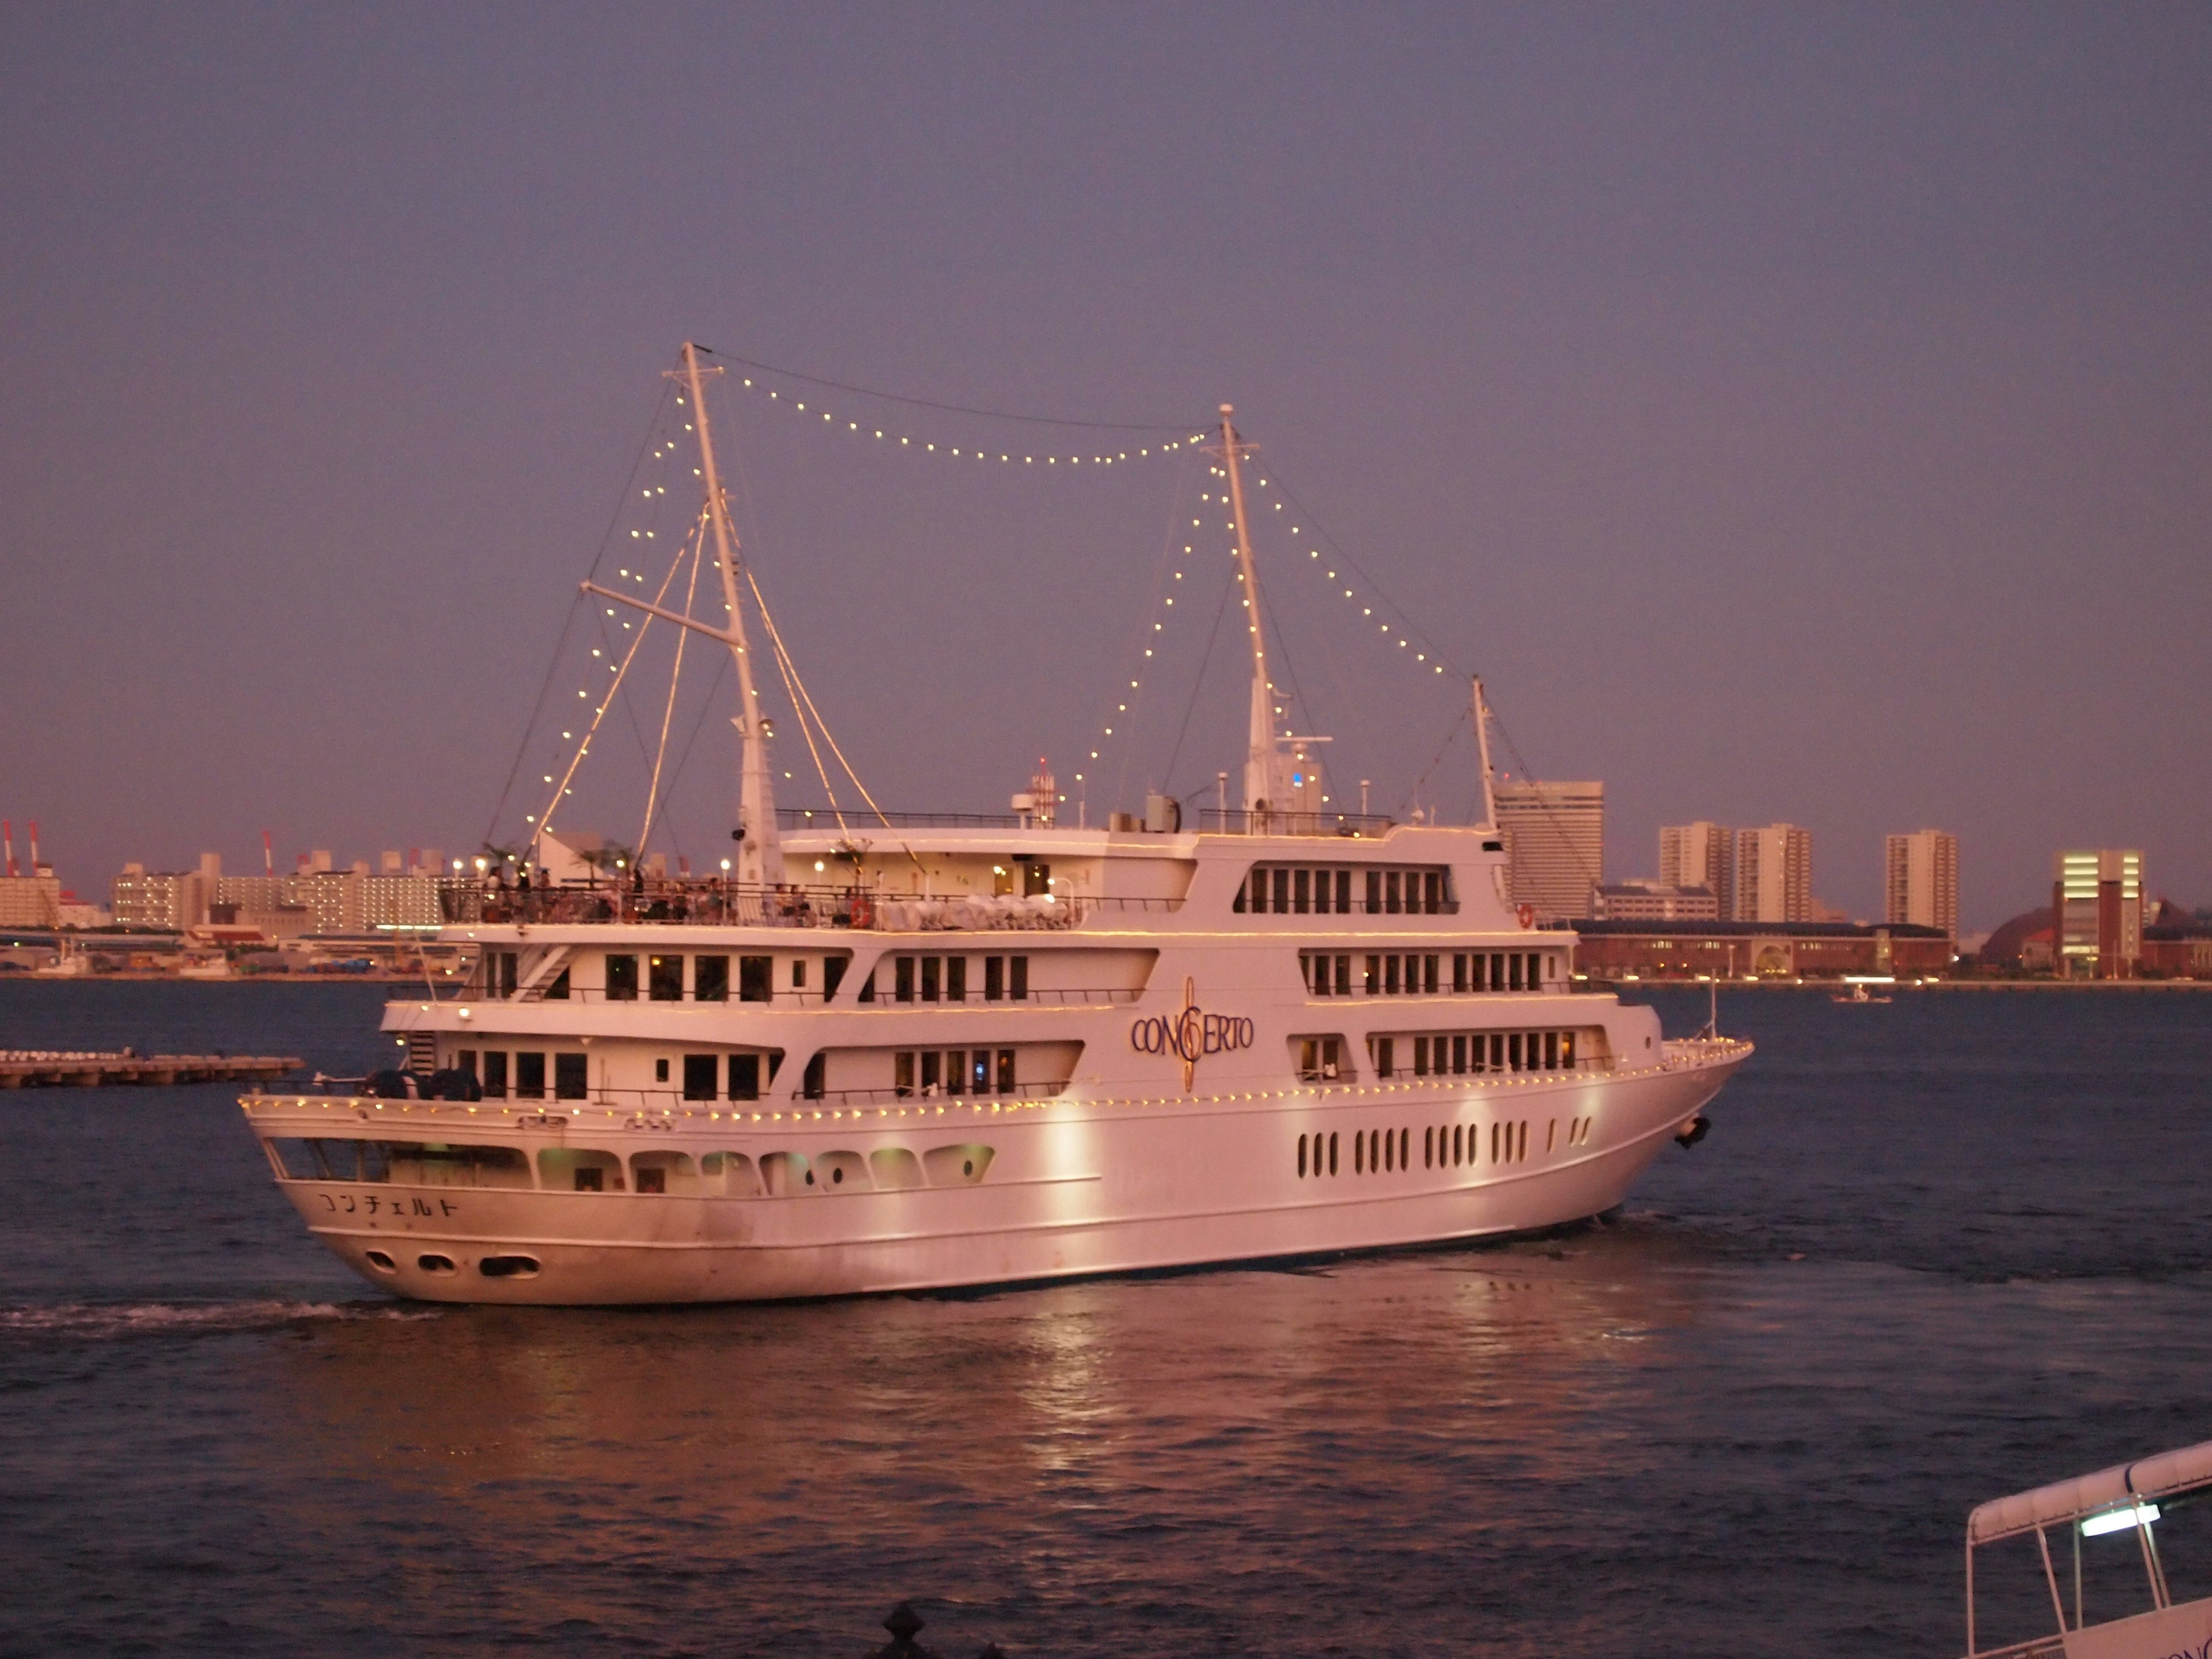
[
  {"x": 1263, "y": 768},
  {"x": 760, "y": 849}
]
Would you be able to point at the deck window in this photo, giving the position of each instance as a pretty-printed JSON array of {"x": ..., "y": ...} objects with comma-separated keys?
[
  {"x": 956, "y": 979},
  {"x": 933, "y": 972},
  {"x": 745, "y": 1077},
  {"x": 1551, "y": 1051},
  {"x": 833, "y": 976},
  {"x": 902, "y": 980},
  {"x": 1302, "y": 892},
  {"x": 816, "y": 1083},
  {"x": 1420, "y": 1056},
  {"x": 1390, "y": 974},
  {"x": 568, "y": 1076},
  {"x": 902, "y": 1071},
  {"x": 1018, "y": 978},
  {"x": 663, "y": 979},
  {"x": 621, "y": 978},
  {"x": 1374, "y": 892},
  {"x": 1005, "y": 1071},
  {"x": 994, "y": 978},
  {"x": 710, "y": 979},
  {"x": 495, "y": 1074},
  {"x": 702, "y": 1073},
  {"x": 530, "y": 1076},
  {"x": 1385, "y": 1063},
  {"x": 979, "y": 1078},
  {"x": 1428, "y": 975},
  {"x": 756, "y": 982},
  {"x": 799, "y": 974},
  {"x": 932, "y": 1070},
  {"x": 558, "y": 990}
]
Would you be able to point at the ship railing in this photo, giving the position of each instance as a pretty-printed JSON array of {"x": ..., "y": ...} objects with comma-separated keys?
[
  {"x": 846, "y": 995},
  {"x": 931, "y": 1094},
  {"x": 1407, "y": 1074},
  {"x": 1215, "y": 821},
  {"x": 823, "y": 818},
  {"x": 708, "y": 902}
]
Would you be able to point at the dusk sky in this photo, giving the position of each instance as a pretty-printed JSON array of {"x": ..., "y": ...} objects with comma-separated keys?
[{"x": 1794, "y": 413}]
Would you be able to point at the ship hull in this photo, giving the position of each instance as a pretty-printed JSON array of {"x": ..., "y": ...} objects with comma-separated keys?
[{"x": 1068, "y": 1191}]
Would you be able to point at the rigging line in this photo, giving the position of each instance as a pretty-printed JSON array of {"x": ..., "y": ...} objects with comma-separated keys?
[
  {"x": 522, "y": 748},
  {"x": 706, "y": 708},
  {"x": 1150, "y": 613},
  {"x": 614, "y": 521},
  {"x": 675, "y": 675},
  {"x": 799, "y": 709},
  {"x": 1275, "y": 481},
  {"x": 1543, "y": 803},
  {"x": 828, "y": 736},
  {"x": 622, "y": 673},
  {"x": 1205, "y": 659},
  {"x": 958, "y": 409},
  {"x": 1435, "y": 761}
]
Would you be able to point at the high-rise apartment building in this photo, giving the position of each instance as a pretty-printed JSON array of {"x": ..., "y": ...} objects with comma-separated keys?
[
  {"x": 1774, "y": 874},
  {"x": 2097, "y": 898},
  {"x": 1922, "y": 880},
  {"x": 1699, "y": 855},
  {"x": 1554, "y": 836}
]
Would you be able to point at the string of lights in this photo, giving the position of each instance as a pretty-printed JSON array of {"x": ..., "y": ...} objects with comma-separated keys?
[{"x": 1121, "y": 454}]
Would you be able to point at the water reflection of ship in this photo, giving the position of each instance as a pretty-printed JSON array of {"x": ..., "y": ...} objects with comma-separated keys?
[{"x": 890, "y": 1436}]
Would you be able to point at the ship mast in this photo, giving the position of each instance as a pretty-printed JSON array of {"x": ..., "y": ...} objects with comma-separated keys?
[
  {"x": 1262, "y": 759},
  {"x": 1482, "y": 738},
  {"x": 760, "y": 849}
]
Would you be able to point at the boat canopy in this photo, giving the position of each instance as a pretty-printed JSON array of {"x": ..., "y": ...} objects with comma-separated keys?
[{"x": 2063, "y": 1501}]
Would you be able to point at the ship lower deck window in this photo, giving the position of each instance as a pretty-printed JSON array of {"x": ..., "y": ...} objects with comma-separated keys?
[
  {"x": 529, "y": 1076},
  {"x": 568, "y": 1076},
  {"x": 621, "y": 978},
  {"x": 663, "y": 979},
  {"x": 495, "y": 1074},
  {"x": 755, "y": 981},
  {"x": 701, "y": 1076},
  {"x": 745, "y": 1077},
  {"x": 931, "y": 1071},
  {"x": 710, "y": 979},
  {"x": 1320, "y": 1060}
]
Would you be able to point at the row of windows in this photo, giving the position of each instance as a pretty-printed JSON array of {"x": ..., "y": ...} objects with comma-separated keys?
[
  {"x": 521, "y": 1074},
  {"x": 944, "y": 979},
  {"x": 1441, "y": 1053},
  {"x": 583, "y": 1170},
  {"x": 1456, "y": 1145},
  {"x": 1410, "y": 974},
  {"x": 1463, "y": 1053},
  {"x": 932, "y": 1071},
  {"x": 1287, "y": 892}
]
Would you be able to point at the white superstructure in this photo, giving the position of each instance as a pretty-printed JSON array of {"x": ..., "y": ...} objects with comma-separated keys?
[{"x": 989, "y": 1053}]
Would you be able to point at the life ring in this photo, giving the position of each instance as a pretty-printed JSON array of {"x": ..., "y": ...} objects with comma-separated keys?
[
  {"x": 1527, "y": 914},
  {"x": 864, "y": 912}
]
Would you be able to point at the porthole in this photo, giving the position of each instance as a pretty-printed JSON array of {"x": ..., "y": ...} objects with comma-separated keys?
[
  {"x": 836, "y": 1177},
  {"x": 508, "y": 1266},
  {"x": 382, "y": 1263},
  {"x": 435, "y": 1264}
]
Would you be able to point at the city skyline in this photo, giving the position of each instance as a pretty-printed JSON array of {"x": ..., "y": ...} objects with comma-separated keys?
[{"x": 1646, "y": 361}]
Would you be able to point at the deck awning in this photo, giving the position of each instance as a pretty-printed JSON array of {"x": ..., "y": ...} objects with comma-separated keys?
[{"x": 2066, "y": 1501}]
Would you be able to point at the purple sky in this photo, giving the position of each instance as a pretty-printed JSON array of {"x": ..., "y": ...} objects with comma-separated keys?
[{"x": 1796, "y": 413}]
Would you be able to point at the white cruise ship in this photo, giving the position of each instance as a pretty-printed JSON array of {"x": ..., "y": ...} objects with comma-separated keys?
[{"x": 986, "y": 1052}]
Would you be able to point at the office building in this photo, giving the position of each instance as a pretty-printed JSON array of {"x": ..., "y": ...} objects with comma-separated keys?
[
  {"x": 1922, "y": 880},
  {"x": 1700, "y": 854},
  {"x": 1554, "y": 836},
  {"x": 1774, "y": 874},
  {"x": 2097, "y": 897},
  {"x": 1654, "y": 901}
]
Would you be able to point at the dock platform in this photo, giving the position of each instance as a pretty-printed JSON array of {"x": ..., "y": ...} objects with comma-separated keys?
[{"x": 35, "y": 1068}]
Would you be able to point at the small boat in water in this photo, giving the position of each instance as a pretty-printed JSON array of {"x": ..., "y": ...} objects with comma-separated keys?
[
  {"x": 2125, "y": 1505},
  {"x": 1860, "y": 993}
]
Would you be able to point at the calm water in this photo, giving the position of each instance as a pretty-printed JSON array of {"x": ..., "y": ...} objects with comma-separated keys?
[{"x": 1665, "y": 1435}]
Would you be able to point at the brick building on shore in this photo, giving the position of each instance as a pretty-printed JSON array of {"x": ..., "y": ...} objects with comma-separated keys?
[{"x": 1771, "y": 949}]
